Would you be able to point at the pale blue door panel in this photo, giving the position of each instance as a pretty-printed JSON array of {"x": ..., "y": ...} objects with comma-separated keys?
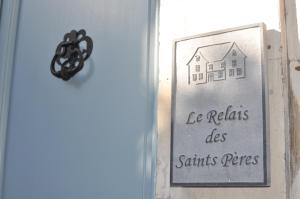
[{"x": 85, "y": 138}]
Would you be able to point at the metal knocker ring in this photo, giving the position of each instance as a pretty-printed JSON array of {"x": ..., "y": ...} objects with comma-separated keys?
[{"x": 70, "y": 54}]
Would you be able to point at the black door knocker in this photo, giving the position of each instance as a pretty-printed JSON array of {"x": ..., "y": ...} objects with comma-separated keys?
[{"x": 70, "y": 54}]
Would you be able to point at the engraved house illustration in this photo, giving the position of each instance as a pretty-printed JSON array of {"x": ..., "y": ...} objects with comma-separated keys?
[{"x": 216, "y": 62}]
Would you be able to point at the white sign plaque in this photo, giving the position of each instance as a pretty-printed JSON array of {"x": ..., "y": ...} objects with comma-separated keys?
[{"x": 219, "y": 109}]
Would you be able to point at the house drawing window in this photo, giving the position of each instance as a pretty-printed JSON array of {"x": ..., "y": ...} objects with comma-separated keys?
[
  {"x": 210, "y": 67},
  {"x": 200, "y": 76},
  {"x": 238, "y": 71},
  {"x": 197, "y": 68},
  {"x": 194, "y": 77},
  {"x": 234, "y": 63},
  {"x": 223, "y": 64},
  {"x": 197, "y": 58},
  {"x": 231, "y": 72},
  {"x": 220, "y": 74},
  {"x": 234, "y": 53}
]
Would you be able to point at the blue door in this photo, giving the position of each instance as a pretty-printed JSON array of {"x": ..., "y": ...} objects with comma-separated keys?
[{"x": 90, "y": 137}]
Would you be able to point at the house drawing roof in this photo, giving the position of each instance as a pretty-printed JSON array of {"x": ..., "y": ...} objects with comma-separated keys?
[{"x": 215, "y": 52}]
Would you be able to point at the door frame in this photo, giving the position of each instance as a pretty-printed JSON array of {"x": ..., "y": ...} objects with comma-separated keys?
[
  {"x": 9, "y": 17},
  {"x": 291, "y": 57}
]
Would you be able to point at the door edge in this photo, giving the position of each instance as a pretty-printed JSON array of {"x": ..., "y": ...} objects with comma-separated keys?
[
  {"x": 150, "y": 139},
  {"x": 8, "y": 30}
]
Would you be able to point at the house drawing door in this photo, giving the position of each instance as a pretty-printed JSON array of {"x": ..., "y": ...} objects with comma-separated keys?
[
  {"x": 91, "y": 136},
  {"x": 210, "y": 77}
]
